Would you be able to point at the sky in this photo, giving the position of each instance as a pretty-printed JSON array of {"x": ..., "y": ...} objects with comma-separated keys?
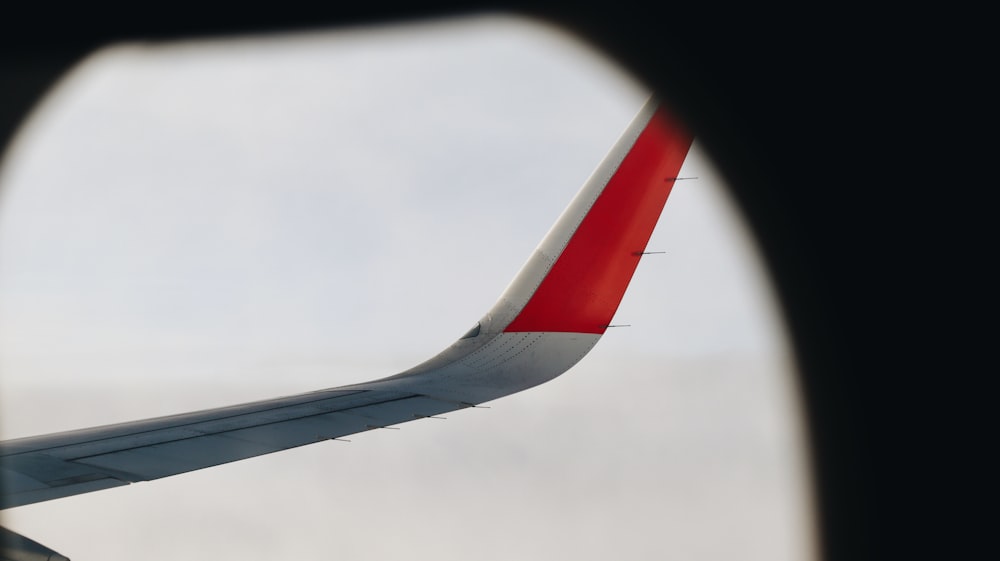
[{"x": 198, "y": 224}]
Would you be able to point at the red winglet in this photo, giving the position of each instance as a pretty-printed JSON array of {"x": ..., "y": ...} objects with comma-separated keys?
[{"x": 586, "y": 283}]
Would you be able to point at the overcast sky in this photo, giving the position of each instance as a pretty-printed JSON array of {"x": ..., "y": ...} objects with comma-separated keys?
[{"x": 194, "y": 225}]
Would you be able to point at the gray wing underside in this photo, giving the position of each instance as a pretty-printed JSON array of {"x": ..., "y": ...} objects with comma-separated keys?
[{"x": 47, "y": 467}]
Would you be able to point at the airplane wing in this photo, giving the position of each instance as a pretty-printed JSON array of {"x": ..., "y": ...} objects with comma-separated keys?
[{"x": 553, "y": 312}]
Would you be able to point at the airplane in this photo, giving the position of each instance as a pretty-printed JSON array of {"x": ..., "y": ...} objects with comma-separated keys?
[{"x": 549, "y": 317}]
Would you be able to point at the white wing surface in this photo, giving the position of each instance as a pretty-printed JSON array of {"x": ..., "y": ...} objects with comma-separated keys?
[{"x": 548, "y": 318}]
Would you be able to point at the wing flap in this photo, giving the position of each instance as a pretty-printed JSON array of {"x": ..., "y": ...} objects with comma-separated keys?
[
  {"x": 170, "y": 458},
  {"x": 281, "y": 408},
  {"x": 22, "y": 497},
  {"x": 58, "y": 465}
]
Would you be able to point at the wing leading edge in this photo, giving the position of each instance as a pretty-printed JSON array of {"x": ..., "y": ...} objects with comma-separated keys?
[{"x": 553, "y": 312}]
